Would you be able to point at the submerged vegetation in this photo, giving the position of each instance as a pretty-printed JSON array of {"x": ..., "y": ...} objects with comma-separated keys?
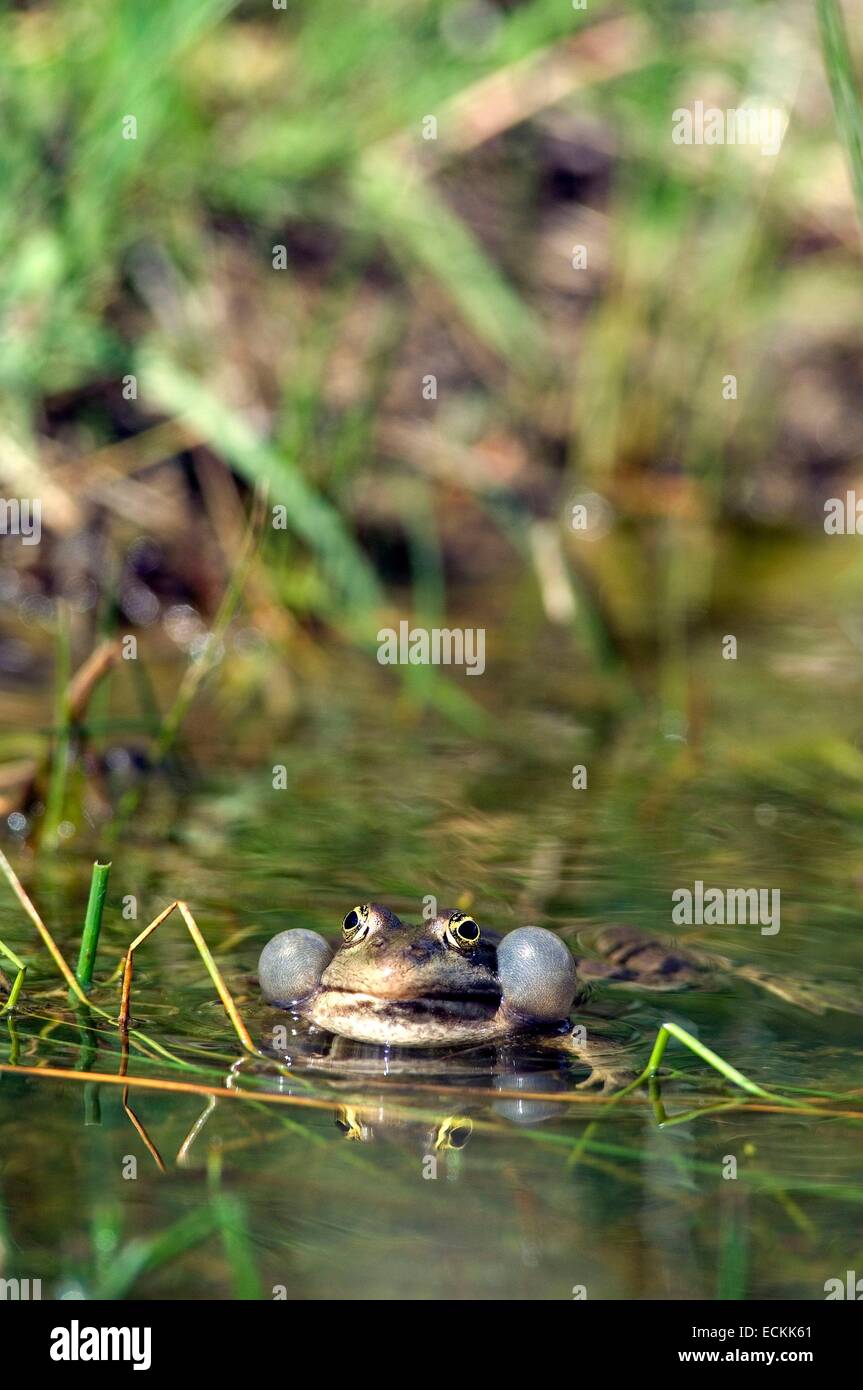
[{"x": 415, "y": 315}]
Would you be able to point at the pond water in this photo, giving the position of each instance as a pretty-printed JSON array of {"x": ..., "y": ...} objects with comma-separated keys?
[{"x": 479, "y": 1176}]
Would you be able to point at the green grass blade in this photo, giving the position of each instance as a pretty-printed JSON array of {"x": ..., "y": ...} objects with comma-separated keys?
[
  {"x": 844, "y": 88},
  {"x": 92, "y": 925},
  {"x": 17, "y": 983},
  {"x": 673, "y": 1030}
]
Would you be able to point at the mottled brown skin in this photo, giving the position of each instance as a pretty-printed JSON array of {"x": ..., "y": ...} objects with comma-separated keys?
[{"x": 631, "y": 958}]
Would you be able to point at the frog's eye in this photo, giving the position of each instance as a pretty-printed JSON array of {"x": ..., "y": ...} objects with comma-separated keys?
[
  {"x": 355, "y": 925},
  {"x": 462, "y": 931}
]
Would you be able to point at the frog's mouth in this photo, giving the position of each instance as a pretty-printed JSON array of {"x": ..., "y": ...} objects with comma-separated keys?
[
  {"x": 462, "y": 1004},
  {"x": 443, "y": 1016}
]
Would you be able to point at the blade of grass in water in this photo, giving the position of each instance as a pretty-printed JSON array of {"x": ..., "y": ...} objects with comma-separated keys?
[
  {"x": 673, "y": 1030},
  {"x": 666, "y": 1032},
  {"x": 844, "y": 90},
  {"x": 17, "y": 983},
  {"x": 231, "y": 1217},
  {"x": 92, "y": 925}
]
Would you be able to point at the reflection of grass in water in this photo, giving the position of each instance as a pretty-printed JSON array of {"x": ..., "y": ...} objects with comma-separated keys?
[{"x": 613, "y": 1162}]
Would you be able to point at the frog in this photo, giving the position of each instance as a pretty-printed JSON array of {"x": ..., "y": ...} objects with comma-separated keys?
[
  {"x": 448, "y": 983},
  {"x": 449, "y": 999},
  {"x": 443, "y": 982}
]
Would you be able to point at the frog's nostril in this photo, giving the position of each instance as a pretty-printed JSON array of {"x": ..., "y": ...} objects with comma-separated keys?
[{"x": 417, "y": 951}]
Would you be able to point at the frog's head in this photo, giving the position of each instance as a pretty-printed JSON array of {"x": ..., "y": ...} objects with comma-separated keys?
[
  {"x": 410, "y": 986},
  {"x": 381, "y": 956}
]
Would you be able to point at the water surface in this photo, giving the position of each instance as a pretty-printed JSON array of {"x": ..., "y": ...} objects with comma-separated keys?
[{"x": 339, "y": 1198}]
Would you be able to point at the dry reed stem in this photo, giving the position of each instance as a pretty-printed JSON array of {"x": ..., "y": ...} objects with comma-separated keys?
[
  {"x": 88, "y": 676},
  {"x": 211, "y": 967},
  {"x": 316, "y": 1103}
]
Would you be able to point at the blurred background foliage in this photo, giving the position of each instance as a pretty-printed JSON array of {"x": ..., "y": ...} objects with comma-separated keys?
[{"x": 303, "y": 128}]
